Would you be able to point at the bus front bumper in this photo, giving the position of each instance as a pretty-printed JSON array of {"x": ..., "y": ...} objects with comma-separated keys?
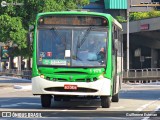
[{"x": 100, "y": 87}]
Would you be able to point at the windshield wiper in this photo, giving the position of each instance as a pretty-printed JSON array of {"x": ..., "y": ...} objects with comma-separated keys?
[{"x": 80, "y": 42}]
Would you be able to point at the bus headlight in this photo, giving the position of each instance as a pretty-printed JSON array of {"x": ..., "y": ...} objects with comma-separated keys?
[
  {"x": 42, "y": 76},
  {"x": 101, "y": 76}
]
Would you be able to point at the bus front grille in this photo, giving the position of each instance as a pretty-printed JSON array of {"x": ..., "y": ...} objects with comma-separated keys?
[
  {"x": 61, "y": 89},
  {"x": 74, "y": 80}
]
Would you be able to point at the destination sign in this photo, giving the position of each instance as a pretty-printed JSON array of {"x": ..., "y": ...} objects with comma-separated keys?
[{"x": 73, "y": 20}]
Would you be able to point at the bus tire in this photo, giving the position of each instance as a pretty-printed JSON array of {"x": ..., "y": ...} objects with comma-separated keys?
[
  {"x": 46, "y": 101},
  {"x": 105, "y": 101},
  {"x": 115, "y": 98}
]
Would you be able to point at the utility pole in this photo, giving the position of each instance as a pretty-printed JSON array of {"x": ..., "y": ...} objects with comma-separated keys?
[{"x": 128, "y": 37}]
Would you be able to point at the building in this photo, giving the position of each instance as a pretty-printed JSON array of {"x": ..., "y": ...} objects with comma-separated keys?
[{"x": 142, "y": 53}]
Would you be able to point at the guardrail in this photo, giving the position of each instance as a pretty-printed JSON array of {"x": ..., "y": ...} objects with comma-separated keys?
[
  {"x": 141, "y": 75},
  {"x": 18, "y": 73}
]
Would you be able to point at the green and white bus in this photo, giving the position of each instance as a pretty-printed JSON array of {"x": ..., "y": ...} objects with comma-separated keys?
[{"x": 77, "y": 54}]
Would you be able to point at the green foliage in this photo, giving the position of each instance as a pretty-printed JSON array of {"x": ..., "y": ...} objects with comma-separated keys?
[
  {"x": 139, "y": 16},
  {"x": 144, "y": 15},
  {"x": 11, "y": 29},
  {"x": 121, "y": 19},
  {"x": 15, "y": 20},
  {"x": 154, "y": 14},
  {"x": 53, "y": 5}
]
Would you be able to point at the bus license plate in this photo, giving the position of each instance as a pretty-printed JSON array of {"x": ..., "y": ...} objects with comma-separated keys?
[{"x": 70, "y": 87}]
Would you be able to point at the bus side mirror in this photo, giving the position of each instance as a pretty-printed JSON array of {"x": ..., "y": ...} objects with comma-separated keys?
[
  {"x": 31, "y": 28},
  {"x": 116, "y": 44},
  {"x": 29, "y": 38}
]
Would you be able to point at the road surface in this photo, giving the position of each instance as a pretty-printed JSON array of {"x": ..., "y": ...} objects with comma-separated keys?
[{"x": 134, "y": 98}]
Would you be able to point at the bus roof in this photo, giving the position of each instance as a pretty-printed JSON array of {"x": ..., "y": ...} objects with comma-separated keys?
[
  {"x": 75, "y": 12},
  {"x": 117, "y": 23},
  {"x": 83, "y": 13}
]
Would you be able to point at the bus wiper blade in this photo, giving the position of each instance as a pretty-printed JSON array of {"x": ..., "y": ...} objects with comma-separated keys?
[{"x": 80, "y": 43}]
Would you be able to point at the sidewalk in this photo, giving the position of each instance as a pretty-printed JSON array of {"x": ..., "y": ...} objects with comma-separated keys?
[{"x": 7, "y": 81}]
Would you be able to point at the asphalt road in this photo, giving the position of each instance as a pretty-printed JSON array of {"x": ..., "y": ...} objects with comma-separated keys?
[{"x": 134, "y": 99}]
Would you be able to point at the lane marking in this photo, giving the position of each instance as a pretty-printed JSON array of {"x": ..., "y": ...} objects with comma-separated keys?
[
  {"x": 65, "y": 110},
  {"x": 19, "y": 104},
  {"x": 10, "y": 105},
  {"x": 118, "y": 107},
  {"x": 146, "y": 105},
  {"x": 157, "y": 109}
]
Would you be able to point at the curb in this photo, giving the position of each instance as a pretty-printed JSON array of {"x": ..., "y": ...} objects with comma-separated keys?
[{"x": 5, "y": 85}]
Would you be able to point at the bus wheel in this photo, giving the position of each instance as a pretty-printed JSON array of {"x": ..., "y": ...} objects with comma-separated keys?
[
  {"x": 46, "y": 101},
  {"x": 105, "y": 101},
  {"x": 115, "y": 98}
]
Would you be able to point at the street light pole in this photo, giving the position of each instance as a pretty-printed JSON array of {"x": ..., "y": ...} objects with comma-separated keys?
[{"x": 128, "y": 38}]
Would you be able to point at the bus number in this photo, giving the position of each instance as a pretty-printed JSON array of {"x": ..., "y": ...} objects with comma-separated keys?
[{"x": 95, "y": 70}]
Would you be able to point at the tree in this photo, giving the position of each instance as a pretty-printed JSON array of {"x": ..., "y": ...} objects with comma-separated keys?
[
  {"x": 12, "y": 31},
  {"x": 15, "y": 20},
  {"x": 121, "y": 19},
  {"x": 144, "y": 15}
]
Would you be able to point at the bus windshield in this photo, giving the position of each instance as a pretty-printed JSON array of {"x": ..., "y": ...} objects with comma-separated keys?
[{"x": 72, "y": 46}]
